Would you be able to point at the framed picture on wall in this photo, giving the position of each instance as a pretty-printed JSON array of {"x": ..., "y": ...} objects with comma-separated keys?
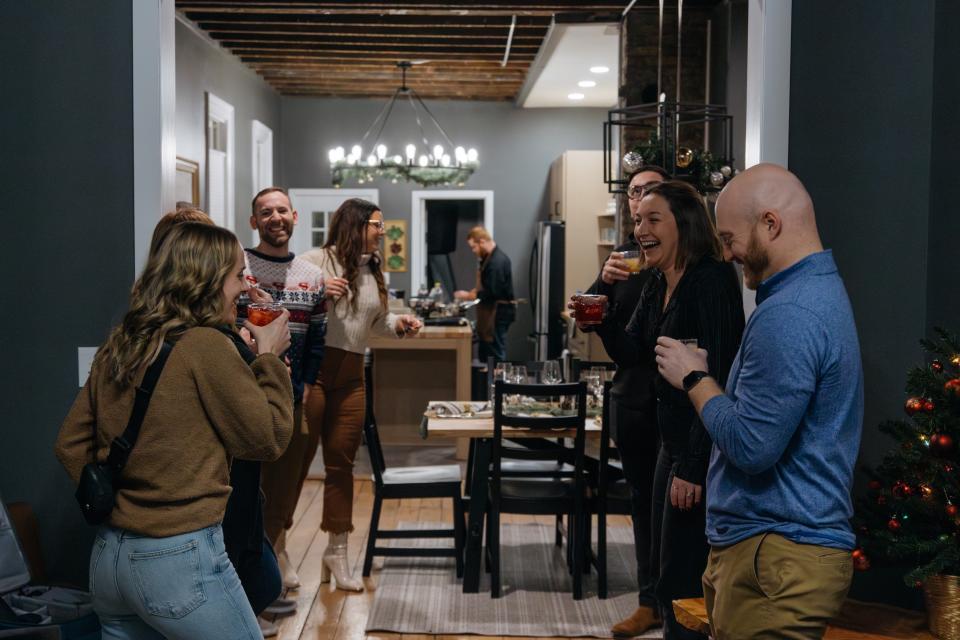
[
  {"x": 188, "y": 181},
  {"x": 395, "y": 245}
]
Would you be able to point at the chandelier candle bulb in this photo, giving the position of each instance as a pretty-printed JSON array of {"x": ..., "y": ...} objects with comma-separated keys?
[
  {"x": 411, "y": 152},
  {"x": 381, "y": 151},
  {"x": 437, "y": 153},
  {"x": 423, "y": 161},
  {"x": 472, "y": 155}
]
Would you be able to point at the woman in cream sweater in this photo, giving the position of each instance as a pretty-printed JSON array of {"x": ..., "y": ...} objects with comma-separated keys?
[
  {"x": 351, "y": 265},
  {"x": 158, "y": 567}
]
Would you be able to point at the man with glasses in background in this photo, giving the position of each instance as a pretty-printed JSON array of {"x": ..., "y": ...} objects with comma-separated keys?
[{"x": 633, "y": 403}]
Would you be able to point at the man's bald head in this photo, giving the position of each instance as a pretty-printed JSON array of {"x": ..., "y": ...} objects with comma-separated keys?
[{"x": 766, "y": 220}]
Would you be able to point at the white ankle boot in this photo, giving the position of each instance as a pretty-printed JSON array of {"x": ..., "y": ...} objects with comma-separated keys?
[
  {"x": 335, "y": 562},
  {"x": 290, "y": 578}
]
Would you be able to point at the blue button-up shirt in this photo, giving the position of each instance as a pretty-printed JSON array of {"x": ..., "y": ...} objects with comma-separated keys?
[{"x": 787, "y": 432}]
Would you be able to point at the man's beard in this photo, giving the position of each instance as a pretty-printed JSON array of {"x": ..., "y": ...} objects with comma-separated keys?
[
  {"x": 755, "y": 262},
  {"x": 273, "y": 238}
]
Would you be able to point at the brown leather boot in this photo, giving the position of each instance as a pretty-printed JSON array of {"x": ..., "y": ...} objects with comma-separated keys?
[{"x": 642, "y": 619}]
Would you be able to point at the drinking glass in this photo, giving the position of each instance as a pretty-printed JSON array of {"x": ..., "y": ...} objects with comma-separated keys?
[
  {"x": 597, "y": 377},
  {"x": 634, "y": 261},
  {"x": 590, "y": 308},
  {"x": 263, "y": 313},
  {"x": 501, "y": 371},
  {"x": 519, "y": 374},
  {"x": 551, "y": 373}
]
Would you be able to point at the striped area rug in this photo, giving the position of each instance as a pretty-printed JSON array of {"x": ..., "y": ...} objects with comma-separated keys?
[{"x": 423, "y": 595}]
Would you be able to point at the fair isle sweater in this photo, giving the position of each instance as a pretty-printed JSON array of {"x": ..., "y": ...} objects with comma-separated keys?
[
  {"x": 298, "y": 286},
  {"x": 348, "y": 328}
]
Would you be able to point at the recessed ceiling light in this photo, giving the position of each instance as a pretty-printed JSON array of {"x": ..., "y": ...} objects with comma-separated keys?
[
  {"x": 575, "y": 96},
  {"x": 599, "y": 69},
  {"x": 586, "y": 84}
]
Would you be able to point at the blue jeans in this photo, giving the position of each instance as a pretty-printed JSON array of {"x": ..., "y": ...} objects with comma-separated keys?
[{"x": 178, "y": 587}]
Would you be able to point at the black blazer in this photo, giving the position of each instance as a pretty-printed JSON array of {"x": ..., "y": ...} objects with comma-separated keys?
[{"x": 705, "y": 305}]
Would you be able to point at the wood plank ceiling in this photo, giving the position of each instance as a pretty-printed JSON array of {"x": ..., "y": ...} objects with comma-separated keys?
[{"x": 351, "y": 48}]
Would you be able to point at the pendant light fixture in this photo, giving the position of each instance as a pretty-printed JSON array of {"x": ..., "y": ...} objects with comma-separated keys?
[{"x": 440, "y": 163}]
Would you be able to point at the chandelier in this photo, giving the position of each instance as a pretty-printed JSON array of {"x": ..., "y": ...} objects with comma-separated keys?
[{"x": 427, "y": 166}]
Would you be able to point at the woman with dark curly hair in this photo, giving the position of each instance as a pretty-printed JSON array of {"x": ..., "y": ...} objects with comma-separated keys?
[
  {"x": 351, "y": 262},
  {"x": 691, "y": 295}
]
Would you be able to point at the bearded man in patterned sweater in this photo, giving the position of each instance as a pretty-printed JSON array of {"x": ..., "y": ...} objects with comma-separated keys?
[{"x": 276, "y": 274}]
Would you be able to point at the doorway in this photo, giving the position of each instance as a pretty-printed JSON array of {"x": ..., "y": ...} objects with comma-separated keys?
[
  {"x": 220, "y": 152},
  {"x": 438, "y": 229}
]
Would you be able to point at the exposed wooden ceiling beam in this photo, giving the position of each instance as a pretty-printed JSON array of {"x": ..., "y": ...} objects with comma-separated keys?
[
  {"x": 391, "y": 9},
  {"x": 373, "y": 40},
  {"x": 411, "y": 49},
  {"x": 440, "y": 20},
  {"x": 223, "y": 29},
  {"x": 393, "y": 56}
]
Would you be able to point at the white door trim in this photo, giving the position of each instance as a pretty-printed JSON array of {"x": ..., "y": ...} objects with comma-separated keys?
[
  {"x": 418, "y": 226},
  {"x": 767, "y": 127},
  {"x": 260, "y": 133},
  {"x": 154, "y": 120},
  {"x": 303, "y": 217},
  {"x": 223, "y": 111}
]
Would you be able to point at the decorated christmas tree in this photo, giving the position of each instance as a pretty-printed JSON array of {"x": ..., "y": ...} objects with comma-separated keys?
[{"x": 910, "y": 513}]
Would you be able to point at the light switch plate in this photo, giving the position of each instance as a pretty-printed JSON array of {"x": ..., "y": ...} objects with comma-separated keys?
[{"x": 84, "y": 362}]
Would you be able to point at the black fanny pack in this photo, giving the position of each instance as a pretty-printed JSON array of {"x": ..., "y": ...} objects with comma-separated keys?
[{"x": 96, "y": 491}]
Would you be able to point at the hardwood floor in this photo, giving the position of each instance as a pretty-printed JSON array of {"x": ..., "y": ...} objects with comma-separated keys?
[{"x": 324, "y": 613}]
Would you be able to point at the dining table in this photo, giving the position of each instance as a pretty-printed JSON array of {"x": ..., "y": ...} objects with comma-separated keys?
[{"x": 460, "y": 420}]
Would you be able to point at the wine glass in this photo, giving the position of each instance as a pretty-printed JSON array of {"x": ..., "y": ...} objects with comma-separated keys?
[
  {"x": 597, "y": 377},
  {"x": 551, "y": 373},
  {"x": 501, "y": 371},
  {"x": 519, "y": 374}
]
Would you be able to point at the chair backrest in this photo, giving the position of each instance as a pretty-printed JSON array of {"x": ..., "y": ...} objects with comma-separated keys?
[
  {"x": 574, "y": 456},
  {"x": 577, "y": 366},
  {"x": 370, "y": 433}
]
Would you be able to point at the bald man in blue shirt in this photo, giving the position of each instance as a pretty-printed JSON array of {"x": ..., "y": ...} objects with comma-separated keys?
[{"x": 786, "y": 429}]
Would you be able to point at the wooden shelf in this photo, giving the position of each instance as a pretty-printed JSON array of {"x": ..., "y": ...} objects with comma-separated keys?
[
  {"x": 606, "y": 215},
  {"x": 606, "y": 244}
]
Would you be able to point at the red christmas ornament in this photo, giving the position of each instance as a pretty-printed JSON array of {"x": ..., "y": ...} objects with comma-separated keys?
[
  {"x": 952, "y": 386},
  {"x": 912, "y": 406},
  {"x": 941, "y": 444},
  {"x": 901, "y": 489},
  {"x": 893, "y": 524},
  {"x": 881, "y": 500},
  {"x": 937, "y": 366},
  {"x": 928, "y": 406},
  {"x": 862, "y": 563},
  {"x": 874, "y": 485},
  {"x": 918, "y": 584},
  {"x": 857, "y": 553},
  {"x": 952, "y": 510}
]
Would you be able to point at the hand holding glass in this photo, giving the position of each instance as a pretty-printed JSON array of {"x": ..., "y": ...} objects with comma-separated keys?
[{"x": 263, "y": 313}]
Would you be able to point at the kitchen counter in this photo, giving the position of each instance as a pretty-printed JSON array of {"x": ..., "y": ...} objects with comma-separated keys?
[{"x": 410, "y": 372}]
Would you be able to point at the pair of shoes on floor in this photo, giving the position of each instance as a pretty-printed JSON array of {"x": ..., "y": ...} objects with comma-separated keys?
[
  {"x": 643, "y": 619},
  {"x": 290, "y": 578},
  {"x": 267, "y": 628},
  {"x": 281, "y": 607}
]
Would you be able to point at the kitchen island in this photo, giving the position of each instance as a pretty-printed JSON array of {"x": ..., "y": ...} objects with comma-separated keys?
[{"x": 410, "y": 372}]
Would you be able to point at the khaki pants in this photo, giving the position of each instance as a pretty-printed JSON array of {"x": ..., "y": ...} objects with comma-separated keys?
[{"x": 769, "y": 587}]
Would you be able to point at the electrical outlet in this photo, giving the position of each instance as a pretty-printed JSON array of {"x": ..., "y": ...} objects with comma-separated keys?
[{"x": 84, "y": 362}]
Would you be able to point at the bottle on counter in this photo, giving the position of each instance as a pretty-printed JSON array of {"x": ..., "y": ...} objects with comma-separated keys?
[{"x": 437, "y": 294}]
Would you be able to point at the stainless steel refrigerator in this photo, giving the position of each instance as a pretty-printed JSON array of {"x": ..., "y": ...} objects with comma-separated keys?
[{"x": 546, "y": 290}]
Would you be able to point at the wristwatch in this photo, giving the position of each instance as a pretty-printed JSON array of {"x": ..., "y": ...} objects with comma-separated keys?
[{"x": 691, "y": 379}]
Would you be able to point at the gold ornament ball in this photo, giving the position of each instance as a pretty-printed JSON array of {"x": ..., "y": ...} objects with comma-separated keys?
[
  {"x": 685, "y": 157},
  {"x": 955, "y": 360}
]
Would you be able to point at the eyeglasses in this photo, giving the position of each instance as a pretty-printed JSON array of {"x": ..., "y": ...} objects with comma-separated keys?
[
  {"x": 377, "y": 223},
  {"x": 636, "y": 191}
]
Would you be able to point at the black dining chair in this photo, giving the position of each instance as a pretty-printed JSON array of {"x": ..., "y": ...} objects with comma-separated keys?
[
  {"x": 539, "y": 495},
  {"x": 433, "y": 481},
  {"x": 611, "y": 495},
  {"x": 517, "y": 463}
]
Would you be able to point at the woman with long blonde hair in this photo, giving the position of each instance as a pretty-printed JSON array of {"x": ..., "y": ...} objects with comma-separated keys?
[
  {"x": 351, "y": 261},
  {"x": 158, "y": 567}
]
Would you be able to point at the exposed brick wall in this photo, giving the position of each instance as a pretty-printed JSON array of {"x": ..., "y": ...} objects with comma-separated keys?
[{"x": 639, "y": 71}]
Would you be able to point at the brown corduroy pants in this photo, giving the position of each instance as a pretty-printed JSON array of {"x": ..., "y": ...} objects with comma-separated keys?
[{"x": 334, "y": 414}]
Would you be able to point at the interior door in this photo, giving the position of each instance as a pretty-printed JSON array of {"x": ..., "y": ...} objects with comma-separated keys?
[{"x": 315, "y": 208}]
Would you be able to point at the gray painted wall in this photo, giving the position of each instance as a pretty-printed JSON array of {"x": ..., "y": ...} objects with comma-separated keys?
[
  {"x": 67, "y": 167},
  {"x": 516, "y": 148},
  {"x": 203, "y": 67},
  {"x": 943, "y": 303},
  {"x": 861, "y": 104}
]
